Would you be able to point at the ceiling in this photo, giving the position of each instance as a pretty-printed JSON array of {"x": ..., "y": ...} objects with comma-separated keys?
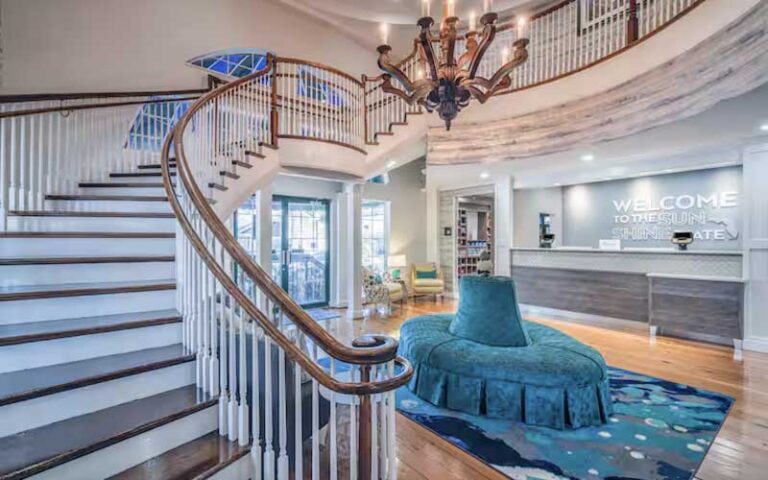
[
  {"x": 360, "y": 19},
  {"x": 404, "y": 12}
]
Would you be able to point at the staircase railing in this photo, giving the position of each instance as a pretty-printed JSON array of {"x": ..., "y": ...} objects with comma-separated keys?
[
  {"x": 280, "y": 375},
  {"x": 52, "y": 143}
]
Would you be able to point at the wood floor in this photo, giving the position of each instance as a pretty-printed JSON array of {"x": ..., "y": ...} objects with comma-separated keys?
[{"x": 740, "y": 451}]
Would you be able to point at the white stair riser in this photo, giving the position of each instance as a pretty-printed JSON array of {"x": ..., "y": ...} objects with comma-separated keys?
[
  {"x": 85, "y": 247},
  {"x": 119, "y": 457},
  {"x": 85, "y": 272},
  {"x": 37, "y": 412},
  {"x": 241, "y": 469},
  {"x": 130, "y": 191},
  {"x": 71, "y": 349},
  {"x": 107, "y": 206},
  {"x": 38, "y": 310},
  {"x": 91, "y": 224}
]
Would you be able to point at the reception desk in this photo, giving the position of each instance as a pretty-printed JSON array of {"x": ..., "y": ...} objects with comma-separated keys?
[{"x": 694, "y": 294}]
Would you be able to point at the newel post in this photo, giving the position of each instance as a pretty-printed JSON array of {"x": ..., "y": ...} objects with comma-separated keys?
[
  {"x": 364, "y": 433},
  {"x": 273, "y": 119},
  {"x": 633, "y": 25}
]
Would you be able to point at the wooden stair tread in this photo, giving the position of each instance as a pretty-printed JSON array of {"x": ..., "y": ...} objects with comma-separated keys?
[
  {"x": 120, "y": 185},
  {"x": 37, "y": 382},
  {"x": 193, "y": 459},
  {"x": 4, "y": 262},
  {"x": 108, "y": 198},
  {"x": 39, "y": 449},
  {"x": 242, "y": 164},
  {"x": 158, "y": 166},
  {"x": 134, "y": 235},
  {"x": 251, "y": 153},
  {"x": 32, "y": 292},
  {"x": 138, "y": 174},
  {"x": 41, "y": 213},
  {"x": 17, "y": 333}
]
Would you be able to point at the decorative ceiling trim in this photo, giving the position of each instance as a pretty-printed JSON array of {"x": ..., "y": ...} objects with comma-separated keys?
[{"x": 728, "y": 64}]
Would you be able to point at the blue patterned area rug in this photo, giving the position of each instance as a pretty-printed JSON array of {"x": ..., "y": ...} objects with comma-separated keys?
[{"x": 659, "y": 430}]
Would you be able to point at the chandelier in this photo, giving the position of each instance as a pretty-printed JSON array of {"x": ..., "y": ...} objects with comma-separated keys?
[{"x": 444, "y": 83}]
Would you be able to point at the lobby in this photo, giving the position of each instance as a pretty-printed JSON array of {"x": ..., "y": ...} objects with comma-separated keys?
[{"x": 460, "y": 239}]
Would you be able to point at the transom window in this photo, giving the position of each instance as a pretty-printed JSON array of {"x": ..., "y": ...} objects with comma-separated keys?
[{"x": 232, "y": 63}]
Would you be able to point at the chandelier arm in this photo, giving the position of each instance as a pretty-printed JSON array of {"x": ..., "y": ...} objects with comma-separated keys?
[
  {"x": 425, "y": 40},
  {"x": 448, "y": 41},
  {"x": 391, "y": 69},
  {"x": 471, "y": 41},
  {"x": 489, "y": 34},
  {"x": 521, "y": 55},
  {"x": 416, "y": 95}
]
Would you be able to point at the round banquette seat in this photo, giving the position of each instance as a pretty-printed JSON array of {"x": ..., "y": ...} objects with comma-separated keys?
[{"x": 550, "y": 379}]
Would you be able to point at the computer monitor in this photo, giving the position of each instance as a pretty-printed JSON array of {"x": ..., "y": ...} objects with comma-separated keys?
[{"x": 682, "y": 239}]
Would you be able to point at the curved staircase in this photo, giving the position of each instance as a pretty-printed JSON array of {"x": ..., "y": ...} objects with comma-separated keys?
[{"x": 137, "y": 338}]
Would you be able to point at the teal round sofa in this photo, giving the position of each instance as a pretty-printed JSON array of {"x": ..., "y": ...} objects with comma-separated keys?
[{"x": 547, "y": 378}]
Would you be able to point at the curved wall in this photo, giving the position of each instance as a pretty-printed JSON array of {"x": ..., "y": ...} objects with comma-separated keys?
[
  {"x": 59, "y": 46},
  {"x": 717, "y": 51}
]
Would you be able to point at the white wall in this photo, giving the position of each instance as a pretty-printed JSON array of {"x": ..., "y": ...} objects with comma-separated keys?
[
  {"x": 528, "y": 204},
  {"x": 408, "y": 210},
  {"x": 111, "y": 45}
]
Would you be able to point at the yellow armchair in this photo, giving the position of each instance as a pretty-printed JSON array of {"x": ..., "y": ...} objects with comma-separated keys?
[{"x": 427, "y": 279}]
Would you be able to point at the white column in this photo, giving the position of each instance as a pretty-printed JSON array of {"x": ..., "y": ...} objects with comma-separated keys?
[
  {"x": 433, "y": 224},
  {"x": 503, "y": 208},
  {"x": 755, "y": 244},
  {"x": 354, "y": 254},
  {"x": 339, "y": 251}
]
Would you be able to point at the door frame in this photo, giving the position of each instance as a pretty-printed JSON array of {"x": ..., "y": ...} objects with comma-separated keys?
[{"x": 283, "y": 280}]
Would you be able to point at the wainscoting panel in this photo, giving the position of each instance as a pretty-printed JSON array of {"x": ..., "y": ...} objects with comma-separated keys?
[
  {"x": 701, "y": 307},
  {"x": 609, "y": 294}
]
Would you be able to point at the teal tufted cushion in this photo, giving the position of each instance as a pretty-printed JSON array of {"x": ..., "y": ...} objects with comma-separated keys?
[
  {"x": 488, "y": 313},
  {"x": 556, "y": 381}
]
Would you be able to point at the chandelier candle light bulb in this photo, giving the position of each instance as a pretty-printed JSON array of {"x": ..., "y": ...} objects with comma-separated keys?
[
  {"x": 425, "y": 8},
  {"x": 384, "y": 32},
  {"x": 522, "y": 23},
  {"x": 472, "y": 26}
]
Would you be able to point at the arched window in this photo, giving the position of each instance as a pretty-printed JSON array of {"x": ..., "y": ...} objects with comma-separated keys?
[{"x": 231, "y": 63}]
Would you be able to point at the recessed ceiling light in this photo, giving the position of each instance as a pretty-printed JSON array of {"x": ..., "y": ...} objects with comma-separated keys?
[
  {"x": 764, "y": 127},
  {"x": 558, "y": 184},
  {"x": 391, "y": 164},
  {"x": 587, "y": 157},
  {"x": 485, "y": 175}
]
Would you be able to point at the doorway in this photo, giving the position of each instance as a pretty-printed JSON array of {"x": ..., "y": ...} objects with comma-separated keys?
[{"x": 301, "y": 248}]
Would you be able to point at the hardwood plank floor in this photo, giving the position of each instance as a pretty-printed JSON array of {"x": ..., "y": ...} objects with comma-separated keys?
[{"x": 740, "y": 451}]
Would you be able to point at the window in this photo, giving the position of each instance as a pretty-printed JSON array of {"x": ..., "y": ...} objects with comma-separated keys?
[
  {"x": 245, "y": 224},
  {"x": 153, "y": 122},
  {"x": 231, "y": 63},
  {"x": 312, "y": 85},
  {"x": 375, "y": 224}
]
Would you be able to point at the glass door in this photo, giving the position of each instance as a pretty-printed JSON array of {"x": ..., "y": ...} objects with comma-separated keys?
[{"x": 300, "y": 248}]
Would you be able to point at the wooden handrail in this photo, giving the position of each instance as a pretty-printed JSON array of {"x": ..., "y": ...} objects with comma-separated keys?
[
  {"x": 40, "y": 97},
  {"x": 298, "y": 61},
  {"x": 367, "y": 350},
  {"x": 70, "y": 108}
]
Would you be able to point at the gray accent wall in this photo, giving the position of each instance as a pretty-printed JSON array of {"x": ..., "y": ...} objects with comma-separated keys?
[
  {"x": 639, "y": 211},
  {"x": 706, "y": 201},
  {"x": 529, "y": 203}
]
